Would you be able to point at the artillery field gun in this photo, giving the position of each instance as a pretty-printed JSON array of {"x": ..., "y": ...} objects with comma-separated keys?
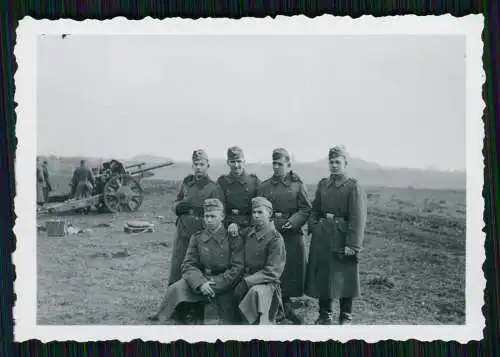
[{"x": 117, "y": 189}]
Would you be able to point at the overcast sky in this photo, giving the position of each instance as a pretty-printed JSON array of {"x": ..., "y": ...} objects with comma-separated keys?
[{"x": 393, "y": 100}]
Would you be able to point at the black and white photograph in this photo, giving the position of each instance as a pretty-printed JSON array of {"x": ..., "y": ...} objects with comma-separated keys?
[{"x": 312, "y": 182}]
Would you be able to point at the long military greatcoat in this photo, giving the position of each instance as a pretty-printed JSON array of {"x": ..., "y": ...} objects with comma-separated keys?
[
  {"x": 195, "y": 192},
  {"x": 238, "y": 193},
  {"x": 265, "y": 258},
  {"x": 40, "y": 185},
  {"x": 217, "y": 257},
  {"x": 338, "y": 220},
  {"x": 48, "y": 186},
  {"x": 290, "y": 203}
]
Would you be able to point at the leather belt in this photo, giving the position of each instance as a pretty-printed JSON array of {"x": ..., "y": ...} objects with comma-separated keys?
[
  {"x": 210, "y": 272},
  {"x": 331, "y": 216},
  {"x": 281, "y": 215},
  {"x": 237, "y": 212}
]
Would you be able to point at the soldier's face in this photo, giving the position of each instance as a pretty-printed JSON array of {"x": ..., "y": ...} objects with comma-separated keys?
[
  {"x": 261, "y": 216},
  {"x": 236, "y": 166},
  {"x": 337, "y": 165},
  {"x": 200, "y": 167},
  {"x": 213, "y": 219},
  {"x": 281, "y": 167}
]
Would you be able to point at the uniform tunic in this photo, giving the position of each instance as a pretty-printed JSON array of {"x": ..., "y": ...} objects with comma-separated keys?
[
  {"x": 238, "y": 193},
  {"x": 265, "y": 258},
  {"x": 195, "y": 192},
  {"x": 338, "y": 220},
  {"x": 210, "y": 256},
  {"x": 290, "y": 203}
]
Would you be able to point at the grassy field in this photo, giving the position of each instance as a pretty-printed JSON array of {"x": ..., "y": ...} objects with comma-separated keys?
[{"x": 412, "y": 266}]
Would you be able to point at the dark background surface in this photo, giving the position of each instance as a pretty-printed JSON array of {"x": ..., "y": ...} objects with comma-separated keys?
[{"x": 79, "y": 10}]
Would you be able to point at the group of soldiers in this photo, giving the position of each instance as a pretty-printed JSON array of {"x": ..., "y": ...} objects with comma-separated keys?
[
  {"x": 240, "y": 242},
  {"x": 82, "y": 181}
]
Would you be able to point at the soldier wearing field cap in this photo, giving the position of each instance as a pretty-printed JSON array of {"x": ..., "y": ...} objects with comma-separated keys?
[
  {"x": 337, "y": 224},
  {"x": 239, "y": 187},
  {"x": 292, "y": 207},
  {"x": 258, "y": 293},
  {"x": 195, "y": 189},
  {"x": 212, "y": 267}
]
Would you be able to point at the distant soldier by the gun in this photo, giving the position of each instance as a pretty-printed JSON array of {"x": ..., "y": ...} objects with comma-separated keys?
[
  {"x": 239, "y": 187},
  {"x": 48, "y": 187},
  {"x": 188, "y": 206},
  {"x": 40, "y": 184},
  {"x": 337, "y": 224},
  {"x": 83, "y": 181}
]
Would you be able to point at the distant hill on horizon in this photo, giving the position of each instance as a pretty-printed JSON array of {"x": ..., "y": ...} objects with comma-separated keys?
[{"x": 368, "y": 173}]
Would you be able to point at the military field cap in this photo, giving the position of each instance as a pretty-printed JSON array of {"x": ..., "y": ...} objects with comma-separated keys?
[
  {"x": 280, "y": 153},
  {"x": 337, "y": 151},
  {"x": 213, "y": 204},
  {"x": 235, "y": 153},
  {"x": 199, "y": 154},
  {"x": 261, "y": 202}
]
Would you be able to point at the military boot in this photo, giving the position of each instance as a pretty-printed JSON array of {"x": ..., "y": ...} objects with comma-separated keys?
[
  {"x": 324, "y": 318},
  {"x": 290, "y": 314},
  {"x": 199, "y": 314},
  {"x": 345, "y": 318}
]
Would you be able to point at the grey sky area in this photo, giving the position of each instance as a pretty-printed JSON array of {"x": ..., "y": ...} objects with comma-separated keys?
[{"x": 392, "y": 100}]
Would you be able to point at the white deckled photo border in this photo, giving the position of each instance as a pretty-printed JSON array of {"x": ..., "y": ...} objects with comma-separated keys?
[{"x": 24, "y": 258}]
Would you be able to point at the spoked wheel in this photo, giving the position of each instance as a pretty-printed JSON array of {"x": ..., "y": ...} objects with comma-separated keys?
[{"x": 122, "y": 193}]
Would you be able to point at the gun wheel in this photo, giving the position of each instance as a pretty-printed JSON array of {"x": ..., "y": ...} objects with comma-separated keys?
[{"x": 122, "y": 193}]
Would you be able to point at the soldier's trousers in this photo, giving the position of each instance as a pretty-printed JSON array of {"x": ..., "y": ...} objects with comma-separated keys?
[{"x": 345, "y": 305}]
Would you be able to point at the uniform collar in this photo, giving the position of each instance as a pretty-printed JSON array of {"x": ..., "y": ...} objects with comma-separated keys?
[
  {"x": 241, "y": 178},
  {"x": 201, "y": 182},
  {"x": 259, "y": 234},
  {"x": 285, "y": 180},
  {"x": 337, "y": 180},
  {"x": 218, "y": 235}
]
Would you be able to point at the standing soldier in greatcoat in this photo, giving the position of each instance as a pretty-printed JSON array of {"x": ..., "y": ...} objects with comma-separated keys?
[
  {"x": 195, "y": 189},
  {"x": 212, "y": 267},
  {"x": 292, "y": 208},
  {"x": 258, "y": 293},
  {"x": 239, "y": 187},
  {"x": 337, "y": 224},
  {"x": 40, "y": 184},
  {"x": 48, "y": 186}
]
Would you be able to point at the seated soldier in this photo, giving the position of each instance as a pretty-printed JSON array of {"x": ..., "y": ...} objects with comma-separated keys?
[
  {"x": 258, "y": 293},
  {"x": 212, "y": 267}
]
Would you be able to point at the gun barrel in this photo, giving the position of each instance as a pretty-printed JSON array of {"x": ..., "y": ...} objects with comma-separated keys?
[
  {"x": 151, "y": 168},
  {"x": 135, "y": 165}
]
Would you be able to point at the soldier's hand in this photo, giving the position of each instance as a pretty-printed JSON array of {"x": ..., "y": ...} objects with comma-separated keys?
[
  {"x": 349, "y": 251},
  {"x": 206, "y": 289},
  {"x": 233, "y": 229},
  {"x": 287, "y": 226}
]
